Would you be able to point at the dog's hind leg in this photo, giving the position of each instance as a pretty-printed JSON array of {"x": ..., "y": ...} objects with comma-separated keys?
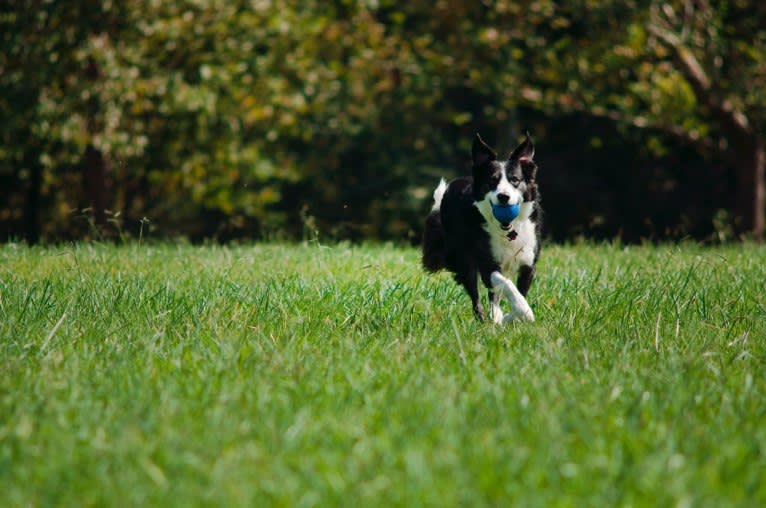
[
  {"x": 434, "y": 243},
  {"x": 519, "y": 307}
]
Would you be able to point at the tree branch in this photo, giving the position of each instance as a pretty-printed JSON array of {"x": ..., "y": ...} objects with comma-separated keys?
[
  {"x": 692, "y": 137},
  {"x": 569, "y": 104},
  {"x": 695, "y": 74}
]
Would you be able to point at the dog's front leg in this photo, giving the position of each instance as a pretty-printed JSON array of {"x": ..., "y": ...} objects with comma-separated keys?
[
  {"x": 495, "y": 312},
  {"x": 468, "y": 279},
  {"x": 520, "y": 309}
]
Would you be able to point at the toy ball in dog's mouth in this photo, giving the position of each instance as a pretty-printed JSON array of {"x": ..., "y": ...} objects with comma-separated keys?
[{"x": 506, "y": 213}]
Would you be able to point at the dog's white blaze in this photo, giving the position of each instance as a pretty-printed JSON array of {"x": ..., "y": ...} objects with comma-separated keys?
[{"x": 505, "y": 187}]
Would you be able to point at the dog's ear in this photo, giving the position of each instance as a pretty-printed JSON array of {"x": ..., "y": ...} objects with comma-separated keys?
[
  {"x": 524, "y": 152},
  {"x": 529, "y": 170},
  {"x": 481, "y": 152}
]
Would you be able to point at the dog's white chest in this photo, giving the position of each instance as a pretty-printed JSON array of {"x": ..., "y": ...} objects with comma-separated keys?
[{"x": 512, "y": 254}]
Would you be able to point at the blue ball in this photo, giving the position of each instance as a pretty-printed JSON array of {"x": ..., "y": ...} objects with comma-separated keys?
[{"x": 506, "y": 213}]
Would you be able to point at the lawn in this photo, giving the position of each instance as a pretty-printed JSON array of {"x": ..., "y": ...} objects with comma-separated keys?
[{"x": 310, "y": 375}]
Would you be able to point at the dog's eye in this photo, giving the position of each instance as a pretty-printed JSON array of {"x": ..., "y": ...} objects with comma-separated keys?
[
  {"x": 495, "y": 178},
  {"x": 514, "y": 180}
]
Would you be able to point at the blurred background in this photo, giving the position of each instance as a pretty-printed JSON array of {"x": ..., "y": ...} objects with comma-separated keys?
[{"x": 227, "y": 120}]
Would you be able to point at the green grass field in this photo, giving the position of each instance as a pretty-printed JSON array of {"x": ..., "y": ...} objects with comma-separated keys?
[{"x": 283, "y": 375}]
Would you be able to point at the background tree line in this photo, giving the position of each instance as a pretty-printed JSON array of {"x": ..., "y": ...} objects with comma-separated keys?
[{"x": 232, "y": 119}]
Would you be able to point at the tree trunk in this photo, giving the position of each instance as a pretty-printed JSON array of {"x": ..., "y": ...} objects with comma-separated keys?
[
  {"x": 97, "y": 183},
  {"x": 32, "y": 204},
  {"x": 750, "y": 207},
  {"x": 96, "y": 164}
]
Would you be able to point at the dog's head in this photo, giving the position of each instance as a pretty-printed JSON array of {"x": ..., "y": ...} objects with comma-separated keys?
[{"x": 504, "y": 182}]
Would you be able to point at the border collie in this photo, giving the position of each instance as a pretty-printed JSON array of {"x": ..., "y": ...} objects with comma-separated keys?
[{"x": 464, "y": 234}]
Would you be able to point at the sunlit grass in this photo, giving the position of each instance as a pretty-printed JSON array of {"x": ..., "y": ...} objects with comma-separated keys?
[{"x": 315, "y": 376}]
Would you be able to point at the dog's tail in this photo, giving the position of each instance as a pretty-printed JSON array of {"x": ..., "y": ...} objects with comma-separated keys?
[
  {"x": 434, "y": 241},
  {"x": 439, "y": 194}
]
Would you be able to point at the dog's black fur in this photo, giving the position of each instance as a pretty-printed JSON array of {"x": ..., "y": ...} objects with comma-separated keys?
[{"x": 456, "y": 235}]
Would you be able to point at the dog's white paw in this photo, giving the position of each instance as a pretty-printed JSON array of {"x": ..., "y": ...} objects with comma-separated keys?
[
  {"x": 520, "y": 308},
  {"x": 519, "y": 315},
  {"x": 496, "y": 314}
]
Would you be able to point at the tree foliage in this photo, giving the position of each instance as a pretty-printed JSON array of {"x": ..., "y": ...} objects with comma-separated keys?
[{"x": 232, "y": 119}]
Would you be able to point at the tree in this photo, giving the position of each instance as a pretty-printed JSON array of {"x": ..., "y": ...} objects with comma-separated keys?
[
  {"x": 133, "y": 108},
  {"x": 53, "y": 120},
  {"x": 222, "y": 118},
  {"x": 684, "y": 67},
  {"x": 721, "y": 53}
]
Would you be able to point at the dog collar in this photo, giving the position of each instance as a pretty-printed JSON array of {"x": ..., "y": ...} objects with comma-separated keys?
[{"x": 511, "y": 233}]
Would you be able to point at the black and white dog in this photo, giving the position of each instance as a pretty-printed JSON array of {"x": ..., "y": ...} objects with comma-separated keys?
[{"x": 464, "y": 236}]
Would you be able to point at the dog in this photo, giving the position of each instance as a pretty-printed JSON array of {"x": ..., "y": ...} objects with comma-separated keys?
[{"x": 462, "y": 234}]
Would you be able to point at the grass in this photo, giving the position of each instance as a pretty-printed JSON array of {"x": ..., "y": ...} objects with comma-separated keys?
[{"x": 282, "y": 375}]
